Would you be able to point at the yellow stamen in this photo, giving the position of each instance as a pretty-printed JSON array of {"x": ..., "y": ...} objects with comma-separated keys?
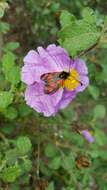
[{"x": 72, "y": 81}]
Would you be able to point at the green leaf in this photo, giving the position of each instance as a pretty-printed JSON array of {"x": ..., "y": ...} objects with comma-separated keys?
[
  {"x": 11, "y": 156},
  {"x": 50, "y": 150},
  {"x": 94, "y": 153},
  {"x": 100, "y": 137},
  {"x": 27, "y": 165},
  {"x": 23, "y": 145},
  {"x": 66, "y": 18},
  {"x": 103, "y": 41},
  {"x": 6, "y": 99},
  {"x": 8, "y": 62},
  {"x": 78, "y": 35},
  {"x": 68, "y": 188},
  {"x": 11, "y": 71},
  {"x": 104, "y": 72},
  {"x": 25, "y": 179},
  {"x": 66, "y": 134},
  {"x": 15, "y": 187},
  {"x": 10, "y": 113},
  {"x": 99, "y": 112},
  {"x": 8, "y": 128},
  {"x": 88, "y": 15},
  {"x": 105, "y": 22},
  {"x": 103, "y": 154},
  {"x": 68, "y": 162},
  {"x": 4, "y": 27},
  {"x": 81, "y": 38},
  {"x": 94, "y": 91},
  {"x": 55, "y": 163},
  {"x": 1, "y": 12},
  {"x": 10, "y": 46},
  {"x": 54, "y": 6},
  {"x": 13, "y": 78},
  {"x": 11, "y": 173},
  {"x": 2, "y": 163},
  {"x": 24, "y": 110},
  {"x": 50, "y": 186},
  {"x": 3, "y": 6},
  {"x": 45, "y": 170}
]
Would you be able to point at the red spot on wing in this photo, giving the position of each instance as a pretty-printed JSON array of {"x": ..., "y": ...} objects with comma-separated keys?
[
  {"x": 52, "y": 82},
  {"x": 49, "y": 76},
  {"x": 51, "y": 87},
  {"x": 46, "y": 77}
]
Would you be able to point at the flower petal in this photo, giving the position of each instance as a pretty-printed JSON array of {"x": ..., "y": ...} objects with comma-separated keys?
[
  {"x": 32, "y": 57},
  {"x": 31, "y": 73},
  {"x": 41, "y": 102},
  {"x": 35, "y": 66},
  {"x": 67, "y": 97},
  {"x": 87, "y": 135},
  {"x": 80, "y": 66},
  {"x": 85, "y": 82},
  {"x": 54, "y": 50},
  {"x": 52, "y": 59},
  {"x": 56, "y": 56}
]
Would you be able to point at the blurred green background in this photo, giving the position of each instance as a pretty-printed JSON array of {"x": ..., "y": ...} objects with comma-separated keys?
[{"x": 41, "y": 153}]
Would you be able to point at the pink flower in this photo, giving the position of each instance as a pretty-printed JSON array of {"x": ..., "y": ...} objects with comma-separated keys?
[
  {"x": 49, "y": 60},
  {"x": 87, "y": 135}
]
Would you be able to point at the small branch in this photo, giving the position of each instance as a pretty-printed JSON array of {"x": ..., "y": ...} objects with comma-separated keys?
[
  {"x": 74, "y": 180},
  {"x": 88, "y": 50},
  {"x": 38, "y": 161},
  {"x": 3, "y": 138}
]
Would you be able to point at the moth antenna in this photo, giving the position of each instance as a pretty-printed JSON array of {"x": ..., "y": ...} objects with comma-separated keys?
[
  {"x": 69, "y": 66},
  {"x": 73, "y": 76}
]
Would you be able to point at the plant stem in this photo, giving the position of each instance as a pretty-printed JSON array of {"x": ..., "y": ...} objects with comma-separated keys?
[
  {"x": 88, "y": 50},
  {"x": 38, "y": 161}
]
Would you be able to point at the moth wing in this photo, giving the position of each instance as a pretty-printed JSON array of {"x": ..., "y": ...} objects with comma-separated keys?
[
  {"x": 52, "y": 87},
  {"x": 52, "y": 82},
  {"x": 50, "y": 76}
]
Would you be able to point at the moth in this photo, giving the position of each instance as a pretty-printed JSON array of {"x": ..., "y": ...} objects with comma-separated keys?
[{"x": 53, "y": 81}]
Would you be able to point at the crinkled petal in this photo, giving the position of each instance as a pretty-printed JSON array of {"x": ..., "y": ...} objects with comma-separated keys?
[
  {"x": 52, "y": 59},
  {"x": 67, "y": 97},
  {"x": 31, "y": 73},
  {"x": 32, "y": 57},
  {"x": 34, "y": 68},
  {"x": 56, "y": 56},
  {"x": 80, "y": 66},
  {"x": 41, "y": 102},
  {"x": 85, "y": 82},
  {"x": 54, "y": 50}
]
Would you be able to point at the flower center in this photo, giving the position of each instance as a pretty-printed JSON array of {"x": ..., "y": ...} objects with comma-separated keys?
[{"x": 72, "y": 81}]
